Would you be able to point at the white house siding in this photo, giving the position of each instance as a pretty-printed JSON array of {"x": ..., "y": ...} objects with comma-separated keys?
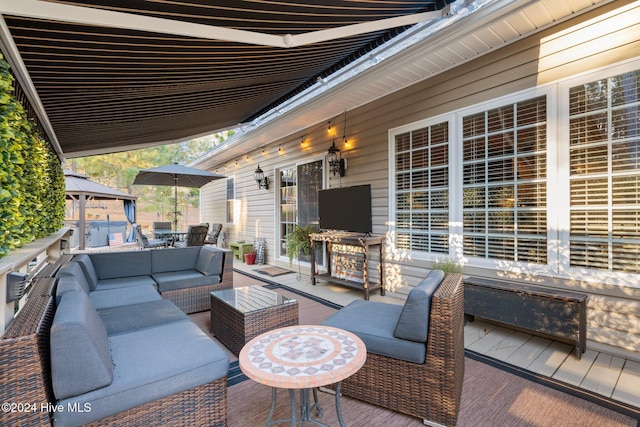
[{"x": 605, "y": 36}]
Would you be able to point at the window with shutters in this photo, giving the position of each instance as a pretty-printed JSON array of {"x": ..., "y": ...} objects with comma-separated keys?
[
  {"x": 422, "y": 189},
  {"x": 504, "y": 182},
  {"x": 604, "y": 152},
  {"x": 231, "y": 197}
]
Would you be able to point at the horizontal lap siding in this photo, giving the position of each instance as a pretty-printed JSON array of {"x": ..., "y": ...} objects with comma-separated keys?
[{"x": 601, "y": 37}]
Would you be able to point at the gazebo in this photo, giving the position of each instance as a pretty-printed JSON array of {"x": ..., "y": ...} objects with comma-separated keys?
[{"x": 80, "y": 189}]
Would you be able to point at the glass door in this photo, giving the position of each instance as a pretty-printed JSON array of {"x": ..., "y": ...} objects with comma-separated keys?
[{"x": 298, "y": 200}]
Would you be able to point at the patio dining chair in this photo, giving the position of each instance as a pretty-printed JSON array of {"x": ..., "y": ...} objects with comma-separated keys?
[
  {"x": 212, "y": 238},
  {"x": 160, "y": 225},
  {"x": 196, "y": 234},
  {"x": 144, "y": 241}
]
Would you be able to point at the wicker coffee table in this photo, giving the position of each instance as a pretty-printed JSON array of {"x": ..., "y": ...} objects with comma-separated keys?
[{"x": 241, "y": 314}]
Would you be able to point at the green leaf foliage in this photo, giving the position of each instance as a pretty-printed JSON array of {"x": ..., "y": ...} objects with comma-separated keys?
[
  {"x": 298, "y": 241},
  {"x": 32, "y": 186}
]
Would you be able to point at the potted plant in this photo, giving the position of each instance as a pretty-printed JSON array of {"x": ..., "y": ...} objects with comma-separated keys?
[
  {"x": 250, "y": 257},
  {"x": 298, "y": 242}
]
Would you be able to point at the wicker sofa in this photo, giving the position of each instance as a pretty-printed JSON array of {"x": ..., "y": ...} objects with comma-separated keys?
[
  {"x": 116, "y": 354},
  {"x": 415, "y": 352},
  {"x": 185, "y": 276}
]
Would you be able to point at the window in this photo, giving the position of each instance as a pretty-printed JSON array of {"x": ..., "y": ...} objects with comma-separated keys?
[
  {"x": 504, "y": 182},
  {"x": 544, "y": 181},
  {"x": 604, "y": 149},
  {"x": 422, "y": 189},
  {"x": 231, "y": 196}
]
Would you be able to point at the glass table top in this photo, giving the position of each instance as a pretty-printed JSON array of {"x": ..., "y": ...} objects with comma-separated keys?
[{"x": 251, "y": 298}]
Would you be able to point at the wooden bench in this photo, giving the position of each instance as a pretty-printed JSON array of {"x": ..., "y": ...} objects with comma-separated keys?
[{"x": 550, "y": 312}]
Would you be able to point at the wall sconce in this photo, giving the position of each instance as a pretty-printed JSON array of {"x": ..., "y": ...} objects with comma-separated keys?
[
  {"x": 336, "y": 163},
  {"x": 263, "y": 181}
]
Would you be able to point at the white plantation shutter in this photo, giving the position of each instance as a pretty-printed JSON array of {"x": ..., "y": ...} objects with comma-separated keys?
[
  {"x": 422, "y": 189},
  {"x": 605, "y": 173},
  {"x": 505, "y": 182}
]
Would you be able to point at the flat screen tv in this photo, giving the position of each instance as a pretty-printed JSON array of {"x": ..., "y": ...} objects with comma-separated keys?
[{"x": 346, "y": 209}]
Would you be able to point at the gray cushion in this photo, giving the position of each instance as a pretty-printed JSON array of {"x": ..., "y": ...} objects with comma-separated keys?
[
  {"x": 210, "y": 261},
  {"x": 374, "y": 323},
  {"x": 149, "y": 365},
  {"x": 183, "y": 279},
  {"x": 136, "y": 317},
  {"x": 87, "y": 268},
  {"x": 174, "y": 259},
  {"x": 75, "y": 270},
  {"x": 80, "y": 360},
  {"x": 124, "y": 282},
  {"x": 111, "y": 265},
  {"x": 413, "y": 323},
  {"x": 123, "y": 296}
]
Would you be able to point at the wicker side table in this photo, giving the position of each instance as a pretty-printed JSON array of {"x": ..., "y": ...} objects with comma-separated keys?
[{"x": 238, "y": 315}]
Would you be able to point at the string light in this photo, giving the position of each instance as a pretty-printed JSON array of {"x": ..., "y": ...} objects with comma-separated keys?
[{"x": 280, "y": 150}]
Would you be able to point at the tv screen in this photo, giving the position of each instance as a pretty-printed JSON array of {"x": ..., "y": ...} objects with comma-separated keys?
[{"x": 346, "y": 208}]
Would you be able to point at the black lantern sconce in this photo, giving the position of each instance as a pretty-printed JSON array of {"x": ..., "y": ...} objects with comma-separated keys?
[
  {"x": 263, "y": 181},
  {"x": 336, "y": 163}
]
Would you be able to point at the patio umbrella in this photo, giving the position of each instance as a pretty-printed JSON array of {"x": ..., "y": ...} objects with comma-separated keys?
[{"x": 177, "y": 176}]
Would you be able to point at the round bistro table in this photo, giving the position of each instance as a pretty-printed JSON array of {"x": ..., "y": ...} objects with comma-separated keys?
[{"x": 303, "y": 358}]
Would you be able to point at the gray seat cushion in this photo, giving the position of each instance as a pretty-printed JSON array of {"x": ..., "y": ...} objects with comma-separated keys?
[
  {"x": 124, "y": 296},
  {"x": 149, "y": 365},
  {"x": 80, "y": 359},
  {"x": 124, "y": 282},
  {"x": 374, "y": 323},
  {"x": 413, "y": 323},
  {"x": 136, "y": 317},
  {"x": 171, "y": 281}
]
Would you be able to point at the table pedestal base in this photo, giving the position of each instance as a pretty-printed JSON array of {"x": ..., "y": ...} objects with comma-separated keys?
[{"x": 306, "y": 408}]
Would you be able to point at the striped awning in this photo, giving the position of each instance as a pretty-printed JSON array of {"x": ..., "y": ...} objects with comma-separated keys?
[{"x": 112, "y": 75}]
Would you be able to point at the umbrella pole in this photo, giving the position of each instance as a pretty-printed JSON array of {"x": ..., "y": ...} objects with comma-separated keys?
[{"x": 175, "y": 204}]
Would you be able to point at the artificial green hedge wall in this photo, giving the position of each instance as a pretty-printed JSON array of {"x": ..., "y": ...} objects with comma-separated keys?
[{"x": 32, "y": 191}]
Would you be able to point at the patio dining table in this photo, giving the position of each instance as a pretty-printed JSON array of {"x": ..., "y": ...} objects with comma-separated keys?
[{"x": 170, "y": 236}]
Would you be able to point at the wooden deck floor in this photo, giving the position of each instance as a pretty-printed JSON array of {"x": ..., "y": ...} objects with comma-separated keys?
[{"x": 598, "y": 373}]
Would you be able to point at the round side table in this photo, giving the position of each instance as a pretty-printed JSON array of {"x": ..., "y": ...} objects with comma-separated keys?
[{"x": 303, "y": 358}]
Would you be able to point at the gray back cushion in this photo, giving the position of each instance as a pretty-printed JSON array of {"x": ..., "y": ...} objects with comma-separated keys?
[
  {"x": 112, "y": 265},
  {"x": 66, "y": 284},
  {"x": 210, "y": 261},
  {"x": 413, "y": 324},
  {"x": 176, "y": 259},
  {"x": 73, "y": 269},
  {"x": 80, "y": 358},
  {"x": 87, "y": 267}
]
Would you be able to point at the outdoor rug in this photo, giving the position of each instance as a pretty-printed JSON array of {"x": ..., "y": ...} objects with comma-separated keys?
[
  {"x": 494, "y": 394},
  {"x": 273, "y": 271}
]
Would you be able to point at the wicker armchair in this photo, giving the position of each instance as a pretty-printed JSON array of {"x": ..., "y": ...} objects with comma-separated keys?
[
  {"x": 196, "y": 234},
  {"x": 212, "y": 237},
  {"x": 429, "y": 390}
]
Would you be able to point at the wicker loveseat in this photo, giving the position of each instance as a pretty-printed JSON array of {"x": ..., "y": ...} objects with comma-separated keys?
[{"x": 421, "y": 372}]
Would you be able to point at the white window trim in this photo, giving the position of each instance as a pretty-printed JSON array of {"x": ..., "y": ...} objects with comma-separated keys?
[
  {"x": 454, "y": 246},
  {"x": 564, "y": 219},
  {"x": 558, "y": 187}
]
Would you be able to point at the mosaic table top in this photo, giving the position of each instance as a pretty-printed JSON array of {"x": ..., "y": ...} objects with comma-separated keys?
[{"x": 303, "y": 356}]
